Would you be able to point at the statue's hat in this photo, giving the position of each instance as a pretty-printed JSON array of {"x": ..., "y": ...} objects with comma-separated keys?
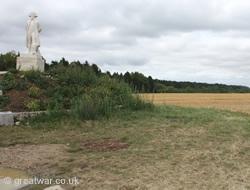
[{"x": 33, "y": 13}]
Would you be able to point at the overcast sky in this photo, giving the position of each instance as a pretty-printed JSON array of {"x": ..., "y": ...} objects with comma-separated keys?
[{"x": 181, "y": 40}]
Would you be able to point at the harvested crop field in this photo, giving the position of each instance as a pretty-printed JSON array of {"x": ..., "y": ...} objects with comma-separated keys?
[{"x": 231, "y": 102}]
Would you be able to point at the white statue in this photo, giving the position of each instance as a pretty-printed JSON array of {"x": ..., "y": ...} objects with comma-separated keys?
[{"x": 33, "y": 28}]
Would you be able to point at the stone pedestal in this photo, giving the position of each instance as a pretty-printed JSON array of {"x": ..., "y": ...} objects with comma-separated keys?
[
  {"x": 28, "y": 61},
  {"x": 6, "y": 118}
]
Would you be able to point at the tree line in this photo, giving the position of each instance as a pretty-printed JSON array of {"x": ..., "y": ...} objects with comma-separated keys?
[
  {"x": 163, "y": 86},
  {"x": 137, "y": 80}
]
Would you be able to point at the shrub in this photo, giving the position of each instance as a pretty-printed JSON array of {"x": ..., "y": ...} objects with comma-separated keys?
[
  {"x": 32, "y": 75},
  {"x": 76, "y": 90},
  {"x": 105, "y": 99},
  {"x": 122, "y": 95},
  {"x": 22, "y": 85},
  {"x": 33, "y": 105},
  {"x": 4, "y": 100},
  {"x": 66, "y": 76},
  {"x": 49, "y": 92},
  {"x": 12, "y": 80},
  {"x": 38, "y": 78},
  {"x": 13, "y": 71},
  {"x": 9, "y": 81},
  {"x": 57, "y": 101},
  {"x": 34, "y": 92}
]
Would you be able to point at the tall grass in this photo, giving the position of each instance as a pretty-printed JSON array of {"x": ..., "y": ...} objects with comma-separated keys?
[{"x": 108, "y": 96}]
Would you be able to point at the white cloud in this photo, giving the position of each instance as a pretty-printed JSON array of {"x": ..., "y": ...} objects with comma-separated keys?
[{"x": 188, "y": 40}]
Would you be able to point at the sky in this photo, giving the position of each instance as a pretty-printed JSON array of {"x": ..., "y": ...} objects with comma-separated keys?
[{"x": 179, "y": 40}]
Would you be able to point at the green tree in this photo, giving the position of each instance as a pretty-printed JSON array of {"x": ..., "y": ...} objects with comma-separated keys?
[
  {"x": 151, "y": 84},
  {"x": 96, "y": 69},
  {"x": 140, "y": 82},
  {"x": 64, "y": 62},
  {"x": 76, "y": 64},
  {"x": 127, "y": 78},
  {"x": 108, "y": 73},
  {"x": 8, "y": 61},
  {"x": 160, "y": 87}
]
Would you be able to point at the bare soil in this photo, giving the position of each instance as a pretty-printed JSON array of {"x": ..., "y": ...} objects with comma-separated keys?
[
  {"x": 17, "y": 101},
  {"x": 40, "y": 160},
  {"x": 18, "y": 98}
]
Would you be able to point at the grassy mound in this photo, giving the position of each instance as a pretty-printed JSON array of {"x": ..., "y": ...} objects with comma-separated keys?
[{"x": 76, "y": 87}]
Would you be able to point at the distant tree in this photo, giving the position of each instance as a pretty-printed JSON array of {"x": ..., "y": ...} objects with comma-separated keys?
[
  {"x": 127, "y": 77},
  {"x": 151, "y": 84},
  {"x": 171, "y": 89},
  {"x": 108, "y": 73},
  {"x": 188, "y": 89},
  {"x": 8, "y": 61},
  {"x": 96, "y": 69},
  {"x": 115, "y": 75},
  {"x": 86, "y": 65},
  {"x": 53, "y": 63},
  {"x": 64, "y": 62},
  {"x": 76, "y": 63},
  {"x": 159, "y": 87},
  {"x": 46, "y": 66},
  {"x": 140, "y": 82}
]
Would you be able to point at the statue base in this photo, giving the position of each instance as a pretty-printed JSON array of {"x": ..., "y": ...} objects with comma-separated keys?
[{"x": 28, "y": 62}]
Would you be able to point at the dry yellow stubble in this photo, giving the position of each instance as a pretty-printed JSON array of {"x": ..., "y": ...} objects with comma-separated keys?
[{"x": 231, "y": 102}]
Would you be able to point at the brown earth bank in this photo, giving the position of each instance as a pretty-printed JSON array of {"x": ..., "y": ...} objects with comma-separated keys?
[{"x": 18, "y": 99}]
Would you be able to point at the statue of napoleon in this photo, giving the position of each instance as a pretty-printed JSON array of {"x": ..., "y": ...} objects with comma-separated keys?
[
  {"x": 32, "y": 60},
  {"x": 33, "y": 28}
]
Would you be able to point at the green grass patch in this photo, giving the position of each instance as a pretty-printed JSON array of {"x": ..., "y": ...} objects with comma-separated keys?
[
  {"x": 72, "y": 150},
  {"x": 168, "y": 145}
]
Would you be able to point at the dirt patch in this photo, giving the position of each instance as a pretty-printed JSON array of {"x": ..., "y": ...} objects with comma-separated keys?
[
  {"x": 38, "y": 160},
  {"x": 18, "y": 98},
  {"x": 107, "y": 145}
]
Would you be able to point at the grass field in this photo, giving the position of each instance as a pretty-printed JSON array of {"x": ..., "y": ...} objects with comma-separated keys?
[
  {"x": 170, "y": 148},
  {"x": 231, "y": 102}
]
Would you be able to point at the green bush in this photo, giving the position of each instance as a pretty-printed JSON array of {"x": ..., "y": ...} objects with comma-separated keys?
[
  {"x": 32, "y": 75},
  {"x": 106, "y": 98},
  {"x": 8, "y": 60},
  {"x": 66, "y": 76},
  {"x": 49, "y": 92},
  {"x": 22, "y": 85},
  {"x": 76, "y": 90},
  {"x": 13, "y": 71},
  {"x": 9, "y": 81},
  {"x": 33, "y": 105},
  {"x": 34, "y": 92},
  {"x": 58, "y": 101},
  {"x": 4, "y": 100},
  {"x": 38, "y": 78}
]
